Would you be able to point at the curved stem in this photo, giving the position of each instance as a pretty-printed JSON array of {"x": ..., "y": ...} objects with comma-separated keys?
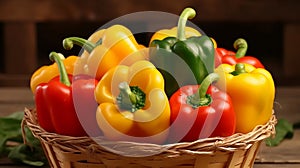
[
  {"x": 208, "y": 80},
  {"x": 187, "y": 13},
  {"x": 239, "y": 69},
  {"x": 69, "y": 42},
  {"x": 63, "y": 75},
  {"x": 200, "y": 98},
  {"x": 241, "y": 46}
]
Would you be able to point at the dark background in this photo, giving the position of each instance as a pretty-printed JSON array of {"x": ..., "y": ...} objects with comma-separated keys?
[{"x": 271, "y": 28}]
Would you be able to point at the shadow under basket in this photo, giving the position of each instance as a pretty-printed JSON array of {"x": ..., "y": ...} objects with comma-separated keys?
[{"x": 236, "y": 151}]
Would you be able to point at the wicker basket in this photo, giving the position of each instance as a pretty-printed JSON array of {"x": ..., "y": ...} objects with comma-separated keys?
[{"x": 236, "y": 151}]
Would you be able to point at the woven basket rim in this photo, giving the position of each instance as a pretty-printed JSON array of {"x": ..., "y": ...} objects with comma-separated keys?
[{"x": 65, "y": 143}]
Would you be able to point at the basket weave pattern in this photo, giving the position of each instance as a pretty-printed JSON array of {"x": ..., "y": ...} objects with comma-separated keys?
[{"x": 236, "y": 151}]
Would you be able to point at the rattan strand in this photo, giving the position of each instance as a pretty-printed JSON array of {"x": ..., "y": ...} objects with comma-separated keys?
[{"x": 237, "y": 151}]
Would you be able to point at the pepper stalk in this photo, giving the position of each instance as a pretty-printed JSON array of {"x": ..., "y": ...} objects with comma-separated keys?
[
  {"x": 131, "y": 98},
  {"x": 63, "y": 75},
  {"x": 200, "y": 98},
  {"x": 239, "y": 69},
  {"x": 241, "y": 46},
  {"x": 89, "y": 46},
  {"x": 187, "y": 13}
]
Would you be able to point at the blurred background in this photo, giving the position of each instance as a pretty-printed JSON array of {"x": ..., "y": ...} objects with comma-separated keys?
[{"x": 31, "y": 29}]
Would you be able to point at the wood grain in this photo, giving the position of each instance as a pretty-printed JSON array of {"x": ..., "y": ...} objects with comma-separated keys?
[{"x": 216, "y": 10}]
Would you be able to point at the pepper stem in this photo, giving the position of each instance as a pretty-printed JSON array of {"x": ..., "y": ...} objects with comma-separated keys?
[
  {"x": 125, "y": 91},
  {"x": 63, "y": 75},
  {"x": 200, "y": 98},
  {"x": 239, "y": 69},
  {"x": 131, "y": 98},
  {"x": 241, "y": 46},
  {"x": 69, "y": 42},
  {"x": 187, "y": 13}
]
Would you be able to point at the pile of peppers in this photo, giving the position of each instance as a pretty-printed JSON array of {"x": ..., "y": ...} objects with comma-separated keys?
[{"x": 179, "y": 88}]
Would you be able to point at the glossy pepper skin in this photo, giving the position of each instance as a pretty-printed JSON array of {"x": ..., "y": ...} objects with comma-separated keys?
[
  {"x": 132, "y": 104},
  {"x": 200, "y": 112},
  {"x": 54, "y": 102},
  {"x": 175, "y": 56},
  {"x": 45, "y": 73},
  {"x": 228, "y": 57},
  {"x": 113, "y": 46},
  {"x": 252, "y": 91}
]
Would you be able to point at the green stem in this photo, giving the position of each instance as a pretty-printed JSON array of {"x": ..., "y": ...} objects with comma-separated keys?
[
  {"x": 241, "y": 46},
  {"x": 239, "y": 69},
  {"x": 187, "y": 13},
  {"x": 131, "y": 98},
  {"x": 125, "y": 91},
  {"x": 69, "y": 42},
  {"x": 200, "y": 98},
  {"x": 63, "y": 75}
]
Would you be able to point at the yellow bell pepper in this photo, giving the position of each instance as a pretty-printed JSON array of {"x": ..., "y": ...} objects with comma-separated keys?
[
  {"x": 132, "y": 104},
  {"x": 161, "y": 34},
  {"x": 106, "y": 49},
  {"x": 47, "y": 72},
  {"x": 252, "y": 91}
]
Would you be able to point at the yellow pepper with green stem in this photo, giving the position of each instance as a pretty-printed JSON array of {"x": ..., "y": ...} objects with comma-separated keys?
[
  {"x": 132, "y": 104},
  {"x": 252, "y": 91}
]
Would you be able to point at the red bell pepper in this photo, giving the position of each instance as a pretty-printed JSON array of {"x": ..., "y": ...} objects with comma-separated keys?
[
  {"x": 83, "y": 87},
  {"x": 229, "y": 57},
  {"x": 55, "y": 107},
  {"x": 200, "y": 112}
]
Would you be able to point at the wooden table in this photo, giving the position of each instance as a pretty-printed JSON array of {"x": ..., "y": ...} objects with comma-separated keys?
[{"x": 286, "y": 155}]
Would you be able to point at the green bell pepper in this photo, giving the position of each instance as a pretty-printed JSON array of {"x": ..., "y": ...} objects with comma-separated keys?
[{"x": 183, "y": 60}]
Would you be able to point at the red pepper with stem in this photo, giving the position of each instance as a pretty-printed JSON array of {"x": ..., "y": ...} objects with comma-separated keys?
[
  {"x": 54, "y": 102},
  {"x": 201, "y": 111},
  {"x": 224, "y": 56}
]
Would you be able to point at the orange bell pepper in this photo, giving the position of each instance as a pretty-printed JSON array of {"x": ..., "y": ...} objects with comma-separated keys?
[
  {"x": 45, "y": 73},
  {"x": 107, "y": 48}
]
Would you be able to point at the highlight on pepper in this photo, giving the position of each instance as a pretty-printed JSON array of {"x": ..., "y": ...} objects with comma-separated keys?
[{"x": 180, "y": 88}]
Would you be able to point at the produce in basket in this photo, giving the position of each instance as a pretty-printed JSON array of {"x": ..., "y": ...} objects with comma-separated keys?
[
  {"x": 194, "y": 54},
  {"x": 198, "y": 112},
  {"x": 113, "y": 45},
  {"x": 229, "y": 57},
  {"x": 132, "y": 104},
  {"x": 150, "y": 114},
  {"x": 252, "y": 91},
  {"x": 56, "y": 111}
]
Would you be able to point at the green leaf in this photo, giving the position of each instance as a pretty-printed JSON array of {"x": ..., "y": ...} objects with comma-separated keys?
[
  {"x": 27, "y": 155},
  {"x": 284, "y": 129},
  {"x": 10, "y": 130}
]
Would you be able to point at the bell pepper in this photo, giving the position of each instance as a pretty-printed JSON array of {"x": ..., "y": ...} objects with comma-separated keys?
[
  {"x": 56, "y": 111},
  {"x": 113, "y": 46},
  {"x": 45, "y": 73},
  {"x": 252, "y": 91},
  {"x": 201, "y": 111},
  {"x": 229, "y": 57},
  {"x": 161, "y": 34},
  {"x": 183, "y": 61},
  {"x": 132, "y": 104}
]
